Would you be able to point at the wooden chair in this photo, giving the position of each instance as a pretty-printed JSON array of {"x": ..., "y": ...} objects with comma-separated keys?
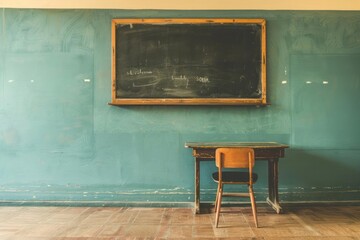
[{"x": 240, "y": 158}]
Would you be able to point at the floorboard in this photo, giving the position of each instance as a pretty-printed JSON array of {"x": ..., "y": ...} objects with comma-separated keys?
[{"x": 86, "y": 223}]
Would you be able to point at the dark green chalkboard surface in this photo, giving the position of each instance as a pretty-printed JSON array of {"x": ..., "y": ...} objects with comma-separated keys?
[{"x": 189, "y": 61}]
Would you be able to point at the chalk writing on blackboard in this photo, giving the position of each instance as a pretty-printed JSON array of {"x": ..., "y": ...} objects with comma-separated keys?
[{"x": 188, "y": 61}]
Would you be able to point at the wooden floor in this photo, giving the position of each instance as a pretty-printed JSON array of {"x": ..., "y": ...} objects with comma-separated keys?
[{"x": 28, "y": 223}]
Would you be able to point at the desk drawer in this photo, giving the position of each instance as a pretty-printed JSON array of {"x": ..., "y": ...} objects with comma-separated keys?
[
  {"x": 204, "y": 153},
  {"x": 269, "y": 153}
]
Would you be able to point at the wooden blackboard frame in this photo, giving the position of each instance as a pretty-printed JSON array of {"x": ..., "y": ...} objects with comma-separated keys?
[{"x": 116, "y": 100}]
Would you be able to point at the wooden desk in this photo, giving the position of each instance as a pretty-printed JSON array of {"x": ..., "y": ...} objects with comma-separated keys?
[{"x": 270, "y": 151}]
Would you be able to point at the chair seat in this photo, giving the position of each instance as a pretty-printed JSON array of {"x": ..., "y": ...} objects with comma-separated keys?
[{"x": 234, "y": 176}]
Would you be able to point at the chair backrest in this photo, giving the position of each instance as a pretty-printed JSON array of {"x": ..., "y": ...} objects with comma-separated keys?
[{"x": 236, "y": 157}]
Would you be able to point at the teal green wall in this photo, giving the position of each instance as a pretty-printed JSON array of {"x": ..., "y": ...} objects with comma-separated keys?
[{"x": 60, "y": 140}]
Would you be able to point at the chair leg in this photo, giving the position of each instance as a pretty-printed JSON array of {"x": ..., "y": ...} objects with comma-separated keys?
[
  {"x": 253, "y": 205},
  {"x": 218, "y": 205},
  {"x": 217, "y": 198}
]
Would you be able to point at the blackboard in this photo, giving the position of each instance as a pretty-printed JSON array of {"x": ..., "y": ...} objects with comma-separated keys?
[{"x": 188, "y": 61}]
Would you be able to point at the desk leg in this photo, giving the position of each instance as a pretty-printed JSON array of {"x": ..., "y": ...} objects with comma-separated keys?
[
  {"x": 197, "y": 186},
  {"x": 273, "y": 199}
]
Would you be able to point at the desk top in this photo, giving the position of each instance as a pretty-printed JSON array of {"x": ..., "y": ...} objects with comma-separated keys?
[{"x": 235, "y": 144}]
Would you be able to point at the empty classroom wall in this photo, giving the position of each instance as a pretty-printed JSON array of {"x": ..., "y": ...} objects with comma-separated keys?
[{"x": 61, "y": 141}]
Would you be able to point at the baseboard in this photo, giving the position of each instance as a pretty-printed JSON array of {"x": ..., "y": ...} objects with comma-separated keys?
[
  {"x": 97, "y": 204},
  {"x": 132, "y": 196},
  {"x": 285, "y": 204}
]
